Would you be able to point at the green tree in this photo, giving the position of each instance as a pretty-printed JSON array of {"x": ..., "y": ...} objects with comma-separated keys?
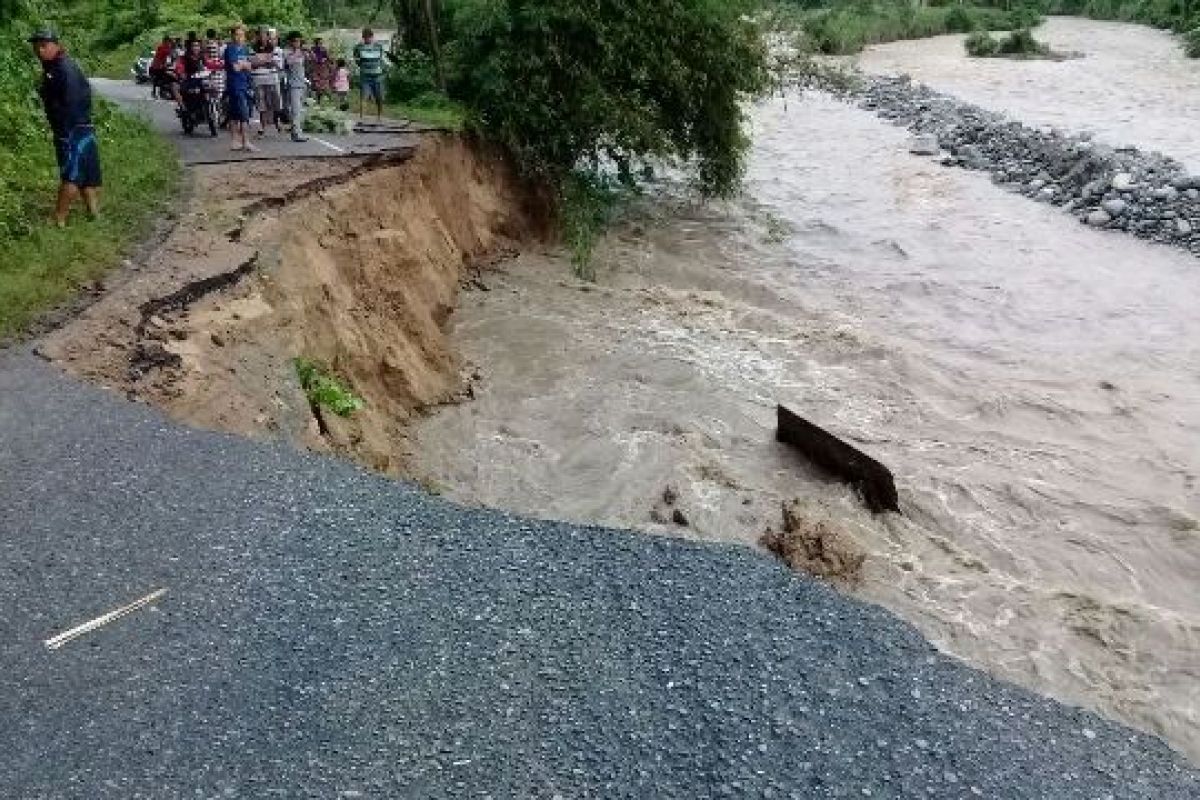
[{"x": 570, "y": 84}]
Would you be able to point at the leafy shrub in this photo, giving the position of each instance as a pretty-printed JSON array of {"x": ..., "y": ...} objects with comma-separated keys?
[
  {"x": 1017, "y": 44},
  {"x": 1191, "y": 43},
  {"x": 960, "y": 20},
  {"x": 1021, "y": 42},
  {"x": 590, "y": 202},
  {"x": 410, "y": 75},
  {"x": 850, "y": 26},
  {"x": 1022, "y": 17},
  {"x": 324, "y": 390},
  {"x": 982, "y": 44}
]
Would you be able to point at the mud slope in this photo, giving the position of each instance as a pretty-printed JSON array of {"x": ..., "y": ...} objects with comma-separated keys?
[{"x": 358, "y": 271}]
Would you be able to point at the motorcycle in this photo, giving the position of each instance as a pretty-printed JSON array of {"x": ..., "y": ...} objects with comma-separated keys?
[
  {"x": 140, "y": 71},
  {"x": 201, "y": 104}
]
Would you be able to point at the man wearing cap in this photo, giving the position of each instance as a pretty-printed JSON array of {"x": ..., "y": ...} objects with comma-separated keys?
[{"x": 67, "y": 98}]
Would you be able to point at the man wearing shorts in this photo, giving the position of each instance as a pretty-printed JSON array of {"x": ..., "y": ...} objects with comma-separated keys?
[
  {"x": 67, "y": 98},
  {"x": 239, "y": 92},
  {"x": 368, "y": 56}
]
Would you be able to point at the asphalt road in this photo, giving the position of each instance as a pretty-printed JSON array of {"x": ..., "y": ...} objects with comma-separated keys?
[
  {"x": 200, "y": 148},
  {"x": 328, "y": 633}
]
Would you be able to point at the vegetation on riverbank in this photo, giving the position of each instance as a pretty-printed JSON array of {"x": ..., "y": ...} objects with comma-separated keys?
[
  {"x": 846, "y": 27},
  {"x": 1175, "y": 15},
  {"x": 1016, "y": 44},
  {"x": 839, "y": 27}
]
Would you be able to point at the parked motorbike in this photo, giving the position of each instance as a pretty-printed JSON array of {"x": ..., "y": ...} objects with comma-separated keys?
[{"x": 140, "y": 71}]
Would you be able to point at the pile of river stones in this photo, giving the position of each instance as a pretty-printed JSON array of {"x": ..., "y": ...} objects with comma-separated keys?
[{"x": 1146, "y": 194}]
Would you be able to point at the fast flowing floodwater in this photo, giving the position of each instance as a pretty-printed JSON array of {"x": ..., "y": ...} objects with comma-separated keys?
[{"x": 1034, "y": 384}]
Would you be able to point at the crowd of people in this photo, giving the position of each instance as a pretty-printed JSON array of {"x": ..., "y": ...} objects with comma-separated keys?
[
  {"x": 261, "y": 81},
  {"x": 268, "y": 80}
]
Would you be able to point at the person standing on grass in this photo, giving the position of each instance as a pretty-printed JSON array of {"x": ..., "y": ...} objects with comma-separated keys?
[
  {"x": 239, "y": 91},
  {"x": 67, "y": 98},
  {"x": 295, "y": 62},
  {"x": 368, "y": 57}
]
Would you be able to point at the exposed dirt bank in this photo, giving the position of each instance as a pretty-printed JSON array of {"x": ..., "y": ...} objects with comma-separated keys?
[{"x": 352, "y": 263}]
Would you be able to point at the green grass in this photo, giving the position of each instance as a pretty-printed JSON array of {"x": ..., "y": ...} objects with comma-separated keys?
[
  {"x": 42, "y": 266},
  {"x": 324, "y": 389},
  {"x": 452, "y": 117}
]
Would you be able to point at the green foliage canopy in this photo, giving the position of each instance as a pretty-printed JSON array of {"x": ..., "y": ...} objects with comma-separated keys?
[{"x": 570, "y": 84}]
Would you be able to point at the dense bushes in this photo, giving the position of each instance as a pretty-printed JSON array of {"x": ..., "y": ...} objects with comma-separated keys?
[
  {"x": 981, "y": 44},
  {"x": 1191, "y": 43},
  {"x": 1176, "y": 15},
  {"x": 1017, "y": 44},
  {"x": 1021, "y": 42},
  {"x": 25, "y": 154},
  {"x": 848, "y": 27},
  {"x": 41, "y": 265}
]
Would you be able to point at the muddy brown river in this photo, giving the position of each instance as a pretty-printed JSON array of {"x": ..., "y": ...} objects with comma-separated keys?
[{"x": 1033, "y": 383}]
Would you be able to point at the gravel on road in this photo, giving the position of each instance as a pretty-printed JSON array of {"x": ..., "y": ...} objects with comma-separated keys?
[{"x": 329, "y": 633}]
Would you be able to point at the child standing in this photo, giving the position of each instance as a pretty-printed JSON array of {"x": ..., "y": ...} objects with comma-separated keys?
[{"x": 341, "y": 85}]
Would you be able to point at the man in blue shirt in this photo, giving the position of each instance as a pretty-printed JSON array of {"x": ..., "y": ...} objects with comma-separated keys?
[
  {"x": 238, "y": 89},
  {"x": 67, "y": 98}
]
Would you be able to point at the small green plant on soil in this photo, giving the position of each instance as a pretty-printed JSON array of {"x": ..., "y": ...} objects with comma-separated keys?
[{"x": 325, "y": 390}]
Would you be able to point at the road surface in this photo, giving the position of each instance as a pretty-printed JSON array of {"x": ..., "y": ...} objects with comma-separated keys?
[
  {"x": 331, "y": 633},
  {"x": 200, "y": 148}
]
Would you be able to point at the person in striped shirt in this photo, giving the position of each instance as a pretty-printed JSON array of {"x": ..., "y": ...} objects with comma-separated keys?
[{"x": 368, "y": 57}]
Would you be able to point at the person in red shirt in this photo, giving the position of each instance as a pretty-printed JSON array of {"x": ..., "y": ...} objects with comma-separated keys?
[
  {"x": 162, "y": 54},
  {"x": 160, "y": 67}
]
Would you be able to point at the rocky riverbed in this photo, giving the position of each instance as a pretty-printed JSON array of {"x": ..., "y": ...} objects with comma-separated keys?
[{"x": 1147, "y": 194}]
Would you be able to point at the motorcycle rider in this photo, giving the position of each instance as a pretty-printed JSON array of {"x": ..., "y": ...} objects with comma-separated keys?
[
  {"x": 186, "y": 69},
  {"x": 160, "y": 67}
]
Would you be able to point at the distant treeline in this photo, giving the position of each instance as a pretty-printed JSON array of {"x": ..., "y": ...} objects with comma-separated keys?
[{"x": 846, "y": 26}]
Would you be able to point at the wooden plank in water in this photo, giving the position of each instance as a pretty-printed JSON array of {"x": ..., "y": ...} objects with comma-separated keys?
[{"x": 873, "y": 480}]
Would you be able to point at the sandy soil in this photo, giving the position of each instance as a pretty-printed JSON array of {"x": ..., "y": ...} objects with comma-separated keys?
[{"x": 353, "y": 264}]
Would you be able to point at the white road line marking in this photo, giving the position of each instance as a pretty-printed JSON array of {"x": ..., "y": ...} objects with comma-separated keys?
[
  {"x": 55, "y": 642},
  {"x": 330, "y": 145}
]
